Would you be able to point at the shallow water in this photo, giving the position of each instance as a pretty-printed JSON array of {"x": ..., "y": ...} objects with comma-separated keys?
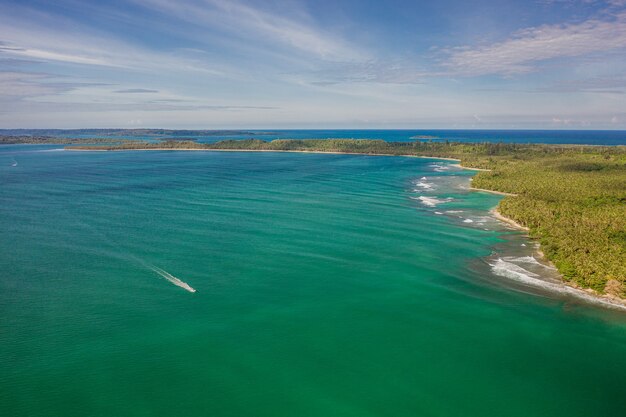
[{"x": 324, "y": 286}]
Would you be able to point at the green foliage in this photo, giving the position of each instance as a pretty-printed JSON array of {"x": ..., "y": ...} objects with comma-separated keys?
[{"x": 572, "y": 198}]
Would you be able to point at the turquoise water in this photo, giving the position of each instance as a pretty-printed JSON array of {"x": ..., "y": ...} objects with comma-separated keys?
[{"x": 326, "y": 285}]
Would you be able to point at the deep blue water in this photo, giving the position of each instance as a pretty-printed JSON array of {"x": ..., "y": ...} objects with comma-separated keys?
[
  {"x": 597, "y": 137},
  {"x": 590, "y": 137}
]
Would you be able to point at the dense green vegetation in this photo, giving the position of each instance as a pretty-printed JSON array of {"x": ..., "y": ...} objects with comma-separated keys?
[{"x": 572, "y": 198}]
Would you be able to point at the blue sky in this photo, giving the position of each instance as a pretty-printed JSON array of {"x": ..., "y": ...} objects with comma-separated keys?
[{"x": 556, "y": 64}]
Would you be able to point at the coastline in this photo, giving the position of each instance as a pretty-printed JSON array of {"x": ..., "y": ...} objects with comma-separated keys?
[
  {"x": 464, "y": 167},
  {"x": 495, "y": 213},
  {"x": 587, "y": 294},
  {"x": 491, "y": 191},
  {"x": 270, "y": 150}
]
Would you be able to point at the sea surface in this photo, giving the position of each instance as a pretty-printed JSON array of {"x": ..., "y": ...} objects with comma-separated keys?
[
  {"x": 580, "y": 137},
  {"x": 277, "y": 284}
]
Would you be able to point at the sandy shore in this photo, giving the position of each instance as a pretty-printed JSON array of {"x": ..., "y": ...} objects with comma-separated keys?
[
  {"x": 492, "y": 191},
  {"x": 464, "y": 167},
  {"x": 495, "y": 213}
]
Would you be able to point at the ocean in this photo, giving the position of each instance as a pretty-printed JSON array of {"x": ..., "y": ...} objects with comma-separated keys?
[
  {"x": 579, "y": 137},
  {"x": 277, "y": 284}
]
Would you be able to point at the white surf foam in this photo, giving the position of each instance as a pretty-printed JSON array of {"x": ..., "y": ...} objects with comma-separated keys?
[
  {"x": 468, "y": 221},
  {"x": 432, "y": 201},
  {"x": 514, "y": 272},
  {"x": 424, "y": 184},
  {"x": 440, "y": 168},
  {"x": 526, "y": 260},
  {"x": 171, "y": 278}
]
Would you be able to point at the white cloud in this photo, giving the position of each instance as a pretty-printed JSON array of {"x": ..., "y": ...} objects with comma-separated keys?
[{"x": 526, "y": 48}]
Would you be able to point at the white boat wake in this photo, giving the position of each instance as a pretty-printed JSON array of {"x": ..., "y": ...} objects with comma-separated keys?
[{"x": 171, "y": 278}]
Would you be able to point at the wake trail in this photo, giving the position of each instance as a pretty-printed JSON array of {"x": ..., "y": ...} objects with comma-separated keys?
[
  {"x": 171, "y": 278},
  {"x": 129, "y": 257}
]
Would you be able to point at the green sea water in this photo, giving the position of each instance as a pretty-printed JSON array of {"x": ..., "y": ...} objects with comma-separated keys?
[{"x": 326, "y": 285}]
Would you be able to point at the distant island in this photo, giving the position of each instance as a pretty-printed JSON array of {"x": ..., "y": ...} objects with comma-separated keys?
[
  {"x": 572, "y": 198},
  {"x": 424, "y": 137},
  {"x": 52, "y": 133},
  {"x": 52, "y": 140}
]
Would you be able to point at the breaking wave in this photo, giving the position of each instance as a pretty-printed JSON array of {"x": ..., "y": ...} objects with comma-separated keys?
[
  {"x": 424, "y": 185},
  {"x": 509, "y": 270},
  {"x": 526, "y": 260},
  {"x": 432, "y": 201},
  {"x": 439, "y": 167}
]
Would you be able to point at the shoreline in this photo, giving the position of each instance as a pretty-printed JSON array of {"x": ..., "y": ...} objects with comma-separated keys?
[
  {"x": 586, "y": 294},
  {"x": 270, "y": 150},
  {"x": 495, "y": 213},
  {"x": 491, "y": 191}
]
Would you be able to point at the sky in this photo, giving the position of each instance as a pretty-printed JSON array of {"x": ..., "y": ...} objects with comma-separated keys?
[{"x": 216, "y": 64}]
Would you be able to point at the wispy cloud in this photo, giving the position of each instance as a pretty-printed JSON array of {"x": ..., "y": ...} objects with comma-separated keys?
[
  {"x": 44, "y": 42},
  {"x": 136, "y": 91},
  {"x": 39, "y": 54},
  {"x": 17, "y": 86},
  {"x": 276, "y": 30},
  {"x": 525, "y": 49},
  {"x": 399, "y": 71},
  {"x": 608, "y": 84}
]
